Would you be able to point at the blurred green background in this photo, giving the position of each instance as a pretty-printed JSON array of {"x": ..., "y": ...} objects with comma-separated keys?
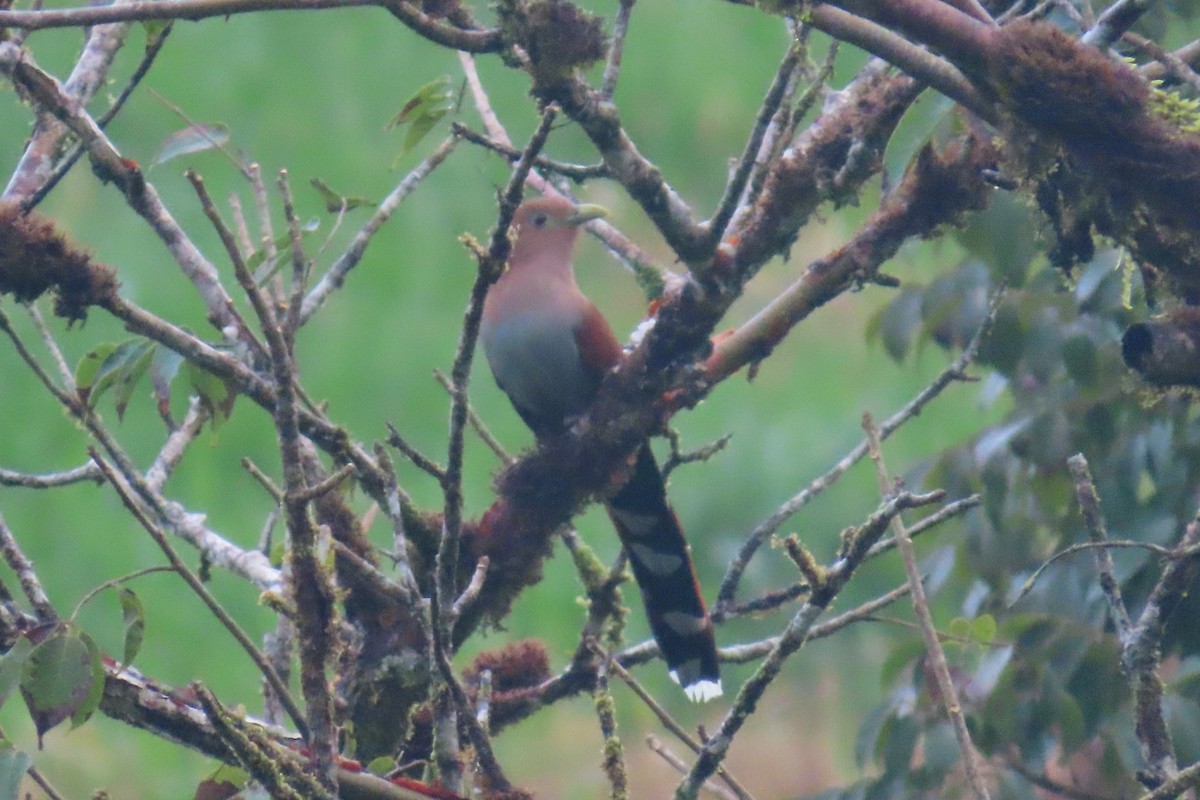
[{"x": 312, "y": 93}]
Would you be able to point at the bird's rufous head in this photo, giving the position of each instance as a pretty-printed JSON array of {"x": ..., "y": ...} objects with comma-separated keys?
[{"x": 549, "y": 225}]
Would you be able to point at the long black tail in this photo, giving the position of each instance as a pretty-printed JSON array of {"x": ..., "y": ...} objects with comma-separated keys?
[{"x": 662, "y": 566}]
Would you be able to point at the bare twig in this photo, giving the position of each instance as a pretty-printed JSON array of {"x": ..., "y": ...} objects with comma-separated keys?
[
  {"x": 616, "y": 48},
  {"x": 419, "y": 459},
  {"x": 954, "y": 372},
  {"x": 935, "y": 655},
  {"x": 128, "y": 497},
  {"x": 1159, "y": 550},
  {"x": 856, "y": 545},
  {"x": 31, "y": 585},
  {"x": 1116, "y": 19},
  {"x": 614, "y": 751},
  {"x": 49, "y": 480},
  {"x": 476, "y": 423},
  {"x": 471, "y": 593},
  {"x": 574, "y": 172},
  {"x": 176, "y": 445},
  {"x": 679, "y": 766},
  {"x": 674, "y": 727},
  {"x": 336, "y": 275},
  {"x": 1089, "y": 505},
  {"x": 776, "y": 94},
  {"x": 678, "y": 458}
]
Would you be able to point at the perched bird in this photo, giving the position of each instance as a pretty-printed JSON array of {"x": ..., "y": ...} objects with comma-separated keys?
[{"x": 549, "y": 348}]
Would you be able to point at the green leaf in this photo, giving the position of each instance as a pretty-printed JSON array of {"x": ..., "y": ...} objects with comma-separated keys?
[
  {"x": 216, "y": 395},
  {"x": 57, "y": 679},
  {"x": 89, "y": 365},
  {"x": 123, "y": 367},
  {"x": 898, "y": 324},
  {"x": 130, "y": 375},
  {"x": 155, "y": 29},
  {"x": 382, "y": 765},
  {"x": 133, "y": 617},
  {"x": 867, "y": 741},
  {"x": 282, "y": 243},
  {"x": 1004, "y": 236},
  {"x": 902, "y": 656},
  {"x": 96, "y": 691},
  {"x": 983, "y": 629},
  {"x": 423, "y": 111},
  {"x": 163, "y": 369},
  {"x": 336, "y": 203},
  {"x": 192, "y": 139},
  {"x": 12, "y": 667},
  {"x": 14, "y": 764},
  {"x": 438, "y": 93}
]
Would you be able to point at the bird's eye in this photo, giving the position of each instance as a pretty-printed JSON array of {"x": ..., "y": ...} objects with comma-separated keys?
[{"x": 539, "y": 220}]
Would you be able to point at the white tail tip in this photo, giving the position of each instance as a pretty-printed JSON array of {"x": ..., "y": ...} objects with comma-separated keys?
[{"x": 700, "y": 691}]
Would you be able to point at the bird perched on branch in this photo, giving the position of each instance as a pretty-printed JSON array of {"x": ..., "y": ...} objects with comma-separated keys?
[{"x": 549, "y": 348}]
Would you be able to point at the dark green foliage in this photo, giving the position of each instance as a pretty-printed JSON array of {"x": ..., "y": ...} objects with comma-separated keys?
[{"x": 1054, "y": 357}]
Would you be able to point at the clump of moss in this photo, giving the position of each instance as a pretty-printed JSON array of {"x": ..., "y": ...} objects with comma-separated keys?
[
  {"x": 36, "y": 258},
  {"x": 560, "y": 37}
]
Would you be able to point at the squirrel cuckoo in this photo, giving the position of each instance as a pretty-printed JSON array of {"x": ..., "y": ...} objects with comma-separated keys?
[{"x": 549, "y": 348}]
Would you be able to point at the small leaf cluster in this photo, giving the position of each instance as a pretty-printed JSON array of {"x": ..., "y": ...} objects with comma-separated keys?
[
  {"x": 120, "y": 367},
  {"x": 60, "y": 670}
]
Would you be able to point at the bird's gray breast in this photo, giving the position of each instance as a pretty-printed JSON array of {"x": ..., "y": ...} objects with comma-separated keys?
[{"x": 535, "y": 360}]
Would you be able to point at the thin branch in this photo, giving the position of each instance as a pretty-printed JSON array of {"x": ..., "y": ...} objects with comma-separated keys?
[
  {"x": 856, "y": 544},
  {"x": 902, "y": 53},
  {"x": 574, "y": 172},
  {"x": 463, "y": 40},
  {"x": 470, "y": 594},
  {"x": 176, "y": 445},
  {"x": 614, "y": 751},
  {"x": 674, "y": 727},
  {"x": 1116, "y": 19},
  {"x": 740, "y": 654},
  {"x": 679, "y": 766},
  {"x": 110, "y": 165},
  {"x": 300, "y": 264},
  {"x": 145, "y": 10},
  {"x": 336, "y": 274},
  {"x": 477, "y": 425},
  {"x": 60, "y": 361},
  {"x": 88, "y": 76},
  {"x": 1177, "y": 785},
  {"x": 776, "y": 94},
  {"x": 311, "y": 586},
  {"x": 419, "y": 459},
  {"x": 935, "y": 655},
  {"x": 114, "y": 583},
  {"x": 1089, "y": 506},
  {"x": 31, "y": 585},
  {"x": 330, "y": 483},
  {"x": 1159, "y": 550},
  {"x": 1173, "y": 64},
  {"x": 49, "y": 480},
  {"x": 616, "y": 48},
  {"x": 125, "y": 492},
  {"x": 954, "y": 372}
]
